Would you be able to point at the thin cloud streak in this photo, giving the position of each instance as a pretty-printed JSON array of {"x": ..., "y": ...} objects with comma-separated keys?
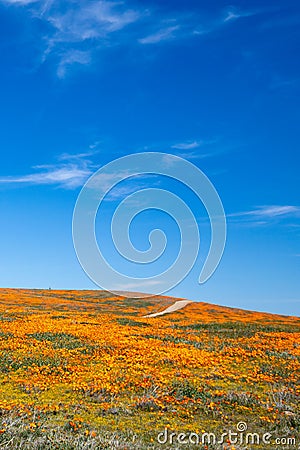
[
  {"x": 235, "y": 14},
  {"x": 20, "y": 2},
  {"x": 194, "y": 149},
  {"x": 74, "y": 171},
  {"x": 68, "y": 175},
  {"x": 163, "y": 34},
  {"x": 186, "y": 26},
  {"x": 266, "y": 215},
  {"x": 269, "y": 211},
  {"x": 187, "y": 145},
  {"x": 76, "y": 156},
  {"x": 121, "y": 184},
  {"x": 70, "y": 58}
]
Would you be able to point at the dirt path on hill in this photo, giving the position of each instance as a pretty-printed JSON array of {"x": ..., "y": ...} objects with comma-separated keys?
[{"x": 175, "y": 307}]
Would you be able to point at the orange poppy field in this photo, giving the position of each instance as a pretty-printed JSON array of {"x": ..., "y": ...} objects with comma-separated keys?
[{"x": 86, "y": 370}]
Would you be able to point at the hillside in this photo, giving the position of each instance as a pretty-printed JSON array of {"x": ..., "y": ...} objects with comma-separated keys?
[{"x": 84, "y": 369}]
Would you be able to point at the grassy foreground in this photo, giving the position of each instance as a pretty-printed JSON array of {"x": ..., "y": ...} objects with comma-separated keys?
[{"x": 85, "y": 370}]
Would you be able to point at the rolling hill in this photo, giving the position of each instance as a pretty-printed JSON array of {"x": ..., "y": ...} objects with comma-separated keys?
[{"x": 85, "y": 369}]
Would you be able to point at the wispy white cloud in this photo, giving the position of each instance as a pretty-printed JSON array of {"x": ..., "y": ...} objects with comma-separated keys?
[
  {"x": 88, "y": 24},
  {"x": 187, "y": 145},
  {"x": 225, "y": 18},
  {"x": 231, "y": 16},
  {"x": 163, "y": 34},
  {"x": 121, "y": 184},
  {"x": 21, "y": 2},
  {"x": 120, "y": 192},
  {"x": 75, "y": 32},
  {"x": 94, "y": 145},
  {"x": 70, "y": 174},
  {"x": 76, "y": 156},
  {"x": 265, "y": 215},
  {"x": 188, "y": 25},
  {"x": 90, "y": 20},
  {"x": 76, "y": 29},
  {"x": 70, "y": 58},
  {"x": 195, "y": 149},
  {"x": 269, "y": 211},
  {"x": 235, "y": 14}
]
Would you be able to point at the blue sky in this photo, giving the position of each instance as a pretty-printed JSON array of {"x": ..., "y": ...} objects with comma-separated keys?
[{"x": 83, "y": 83}]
